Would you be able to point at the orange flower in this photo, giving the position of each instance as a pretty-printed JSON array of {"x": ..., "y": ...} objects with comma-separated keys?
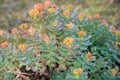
[
  {"x": 51, "y": 10},
  {"x": 114, "y": 71},
  {"x": 22, "y": 47},
  {"x": 34, "y": 13},
  {"x": 48, "y": 3},
  {"x": 66, "y": 13},
  {"x": 97, "y": 15},
  {"x": 4, "y": 44},
  {"x": 39, "y": 7},
  {"x": 14, "y": 30},
  {"x": 89, "y": 56},
  {"x": 32, "y": 30},
  {"x": 68, "y": 41},
  {"x": 63, "y": 7},
  {"x": 46, "y": 39},
  {"x": 70, "y": 25},
  {"x": 89, "y": 17},
  {"x": 1, "y": 32},
  {"x": 82, "y": 33},
  {"x": 80, "y": 16},
  {"x": 78, "y": 71},
  {"x": 70, "y": 7}
]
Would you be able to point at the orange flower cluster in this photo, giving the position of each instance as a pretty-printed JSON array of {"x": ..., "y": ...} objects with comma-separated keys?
[
  {"x": 14, "y": 30},
  {"x": 34, "y": 13},
  {"x": 37, "y": 10},
  {"x": 89, "y": 56},
  {"x": 4, "y": 44},
  {"x": 114, "y": 71},
  {"x": 78, "y": 71},
  {"x": 39, "y": 7},
  {"x": 66, "y": 13},
  {"x": 63, "y": 7},
  {"x": 82, "y": 33},
  {"x": 48, "y": 3},
  {"x": 70, "y": 25},
  {"x": 32, "y": 30},
  {"x": 46, "y": 39},
  {"x": 80, "y": 16},
  {"x": 1, "y": 32},
  {"x": 97, "y": 15},
  {"x": 68, "y": 41},
  {"x": 22, "y": 47},
  {"x": 89, "y": 17}
]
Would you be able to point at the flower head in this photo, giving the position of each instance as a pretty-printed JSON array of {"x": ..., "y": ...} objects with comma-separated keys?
[
  {"x": 39, "y": 7},
  {"x": 24, "y": 26},
  {"x": 63, "y": 7},
  {"x": 51, "y": 10},
  {"x": 97, "y": 15},
  {"x": 78, "y": 71},
  {"x": 4, "y": 44},
  {"x": 80, "y": 16},
  {"x": 22, "y": 47},
  {"x": 14, "y": 30},
  {"x": 34, "y": 13},
  {"x": 114, "y": 71},
  {"x": 68, "y": 41},
  {"x": 89, "y": 17},
  {"x": 117, "y": 32},
  {"x": 1, "y": 32},
  {"x": 70, "y": 25},
  {"x": 70, "y": 7},
  {"x": 82, "y": 33},
  {"x": 32, "y": 30},
  {"x": 48, "y": 3},
  {"x": 66, "y": 13},
  {"x": 46, "y": 39},
  {"x": 89, "y": 56}
]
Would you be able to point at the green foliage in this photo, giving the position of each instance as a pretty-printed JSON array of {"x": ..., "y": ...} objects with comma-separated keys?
[{"x": 60, "y": 44}]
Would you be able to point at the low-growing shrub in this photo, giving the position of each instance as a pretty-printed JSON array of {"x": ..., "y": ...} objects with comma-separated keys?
[{"x": 60, "y": 44}]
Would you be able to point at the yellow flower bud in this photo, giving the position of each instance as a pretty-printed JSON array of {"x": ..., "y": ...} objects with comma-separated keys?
[
  {"x": 46, "y": 39},
  {"x": 66, "y": 13},
  {"x": 82, "y": 33},
  {"x": 51, "y": 10},
  {"x": 32, "y": 30},
  {"x": 78, "y": 71},
  {"x": 114, "y": 71},
  {"x": 68, "y": 41},
  {"x": 22, "y": 47},
  {"x": 70, "y": 25}
]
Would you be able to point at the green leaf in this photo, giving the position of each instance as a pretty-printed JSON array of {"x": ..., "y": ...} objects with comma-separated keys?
[
  {"x": 10, "y": 76},
  {"x": 1, "y": 59}
]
